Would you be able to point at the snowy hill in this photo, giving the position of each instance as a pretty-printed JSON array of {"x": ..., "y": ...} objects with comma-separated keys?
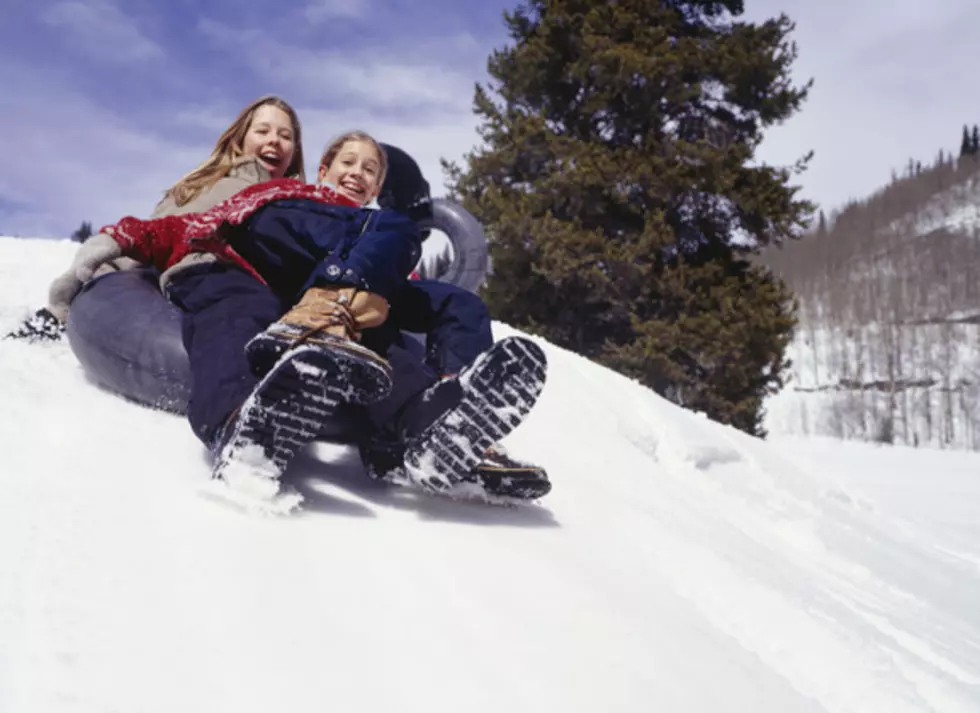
[
  {"x": 888, "y": 346},
  {"x": 956, "y": 209},
  {"x": 677, "y": 566}
]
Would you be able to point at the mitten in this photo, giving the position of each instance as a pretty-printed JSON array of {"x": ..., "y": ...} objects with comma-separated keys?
[{"x": 96, "y": 251}]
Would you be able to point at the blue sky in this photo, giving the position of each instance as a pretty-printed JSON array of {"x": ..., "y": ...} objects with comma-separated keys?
[{"x": 108, "y": 102}]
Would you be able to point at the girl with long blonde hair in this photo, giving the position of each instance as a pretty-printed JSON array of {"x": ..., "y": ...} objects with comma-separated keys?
[{"x": 244, "y": 138}]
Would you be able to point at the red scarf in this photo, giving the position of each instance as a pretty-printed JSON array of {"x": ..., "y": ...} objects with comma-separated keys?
[{"x": 163, "y": 242}]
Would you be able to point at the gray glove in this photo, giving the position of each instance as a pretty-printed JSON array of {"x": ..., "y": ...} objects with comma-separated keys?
[{"x": 94, "y": 252}]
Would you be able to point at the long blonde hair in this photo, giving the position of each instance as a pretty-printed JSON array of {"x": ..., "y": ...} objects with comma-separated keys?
[
  {"x": 333, "y": 148},
  {"x": 229, "y": 147}
]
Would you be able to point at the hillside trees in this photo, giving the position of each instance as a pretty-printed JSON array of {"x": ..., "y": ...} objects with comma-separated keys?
[{"x": 890, "y": 309}]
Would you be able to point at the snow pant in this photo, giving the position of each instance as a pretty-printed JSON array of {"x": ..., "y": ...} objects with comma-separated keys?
[
  {"x": 410, "y": 377},
  {"x": 224, "y": 307},
  {"x": 421, "y": 399},
  {"x": 456, "y": 322},
  {"x": 418, "y": 398}
]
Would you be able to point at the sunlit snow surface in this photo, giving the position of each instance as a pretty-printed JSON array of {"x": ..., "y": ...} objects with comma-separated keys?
[{"x": 678, "y": 565}]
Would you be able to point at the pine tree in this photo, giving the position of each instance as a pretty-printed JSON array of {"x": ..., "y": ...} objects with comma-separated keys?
[
  {"x": 966, "y": 145},
  {"x": 975, "y": 141},
  {"x": 821, "y": 224},
  {"x": 617, "y": 184},
  {"x": 83, "y": 232},
  {"x": 437, "y": 266}
]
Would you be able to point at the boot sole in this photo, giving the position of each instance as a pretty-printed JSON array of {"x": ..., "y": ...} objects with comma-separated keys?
[
  {"x": 494, "y": 485},
  {"x": 359, "y": 364},
  {"x": 286, "y": 412},
  {"x": 500, "y": 389}
]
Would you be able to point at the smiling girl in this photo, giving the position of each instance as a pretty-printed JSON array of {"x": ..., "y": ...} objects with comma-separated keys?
[
  {"x": 267, "y": 131},
  {"x": 355, "y": 165}
]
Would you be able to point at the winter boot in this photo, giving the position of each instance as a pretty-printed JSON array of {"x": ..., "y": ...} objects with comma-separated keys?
[
  {"x": 499, "y": 474},
  {"x": 495, "y": 393},
  {"x": 498, "y": 477},
  {"x": 282, "y": 415},
  {"x": 330, "y": 318}
]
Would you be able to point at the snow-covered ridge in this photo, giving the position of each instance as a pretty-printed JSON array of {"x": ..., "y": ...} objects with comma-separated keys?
[
  {"x": 957, "y": 209},
  {"x": 678, "y": 565}
]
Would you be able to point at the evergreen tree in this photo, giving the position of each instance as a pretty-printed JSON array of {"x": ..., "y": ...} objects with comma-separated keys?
[
  {"x": 821, "y": 224},
  {"x": 966, "y": 145},
  {"x": 617, "y": 184},
  {"x": 433, "y": 269},
  {"x": 975, "y": 141},
  {"x": 83, "y": 232}
]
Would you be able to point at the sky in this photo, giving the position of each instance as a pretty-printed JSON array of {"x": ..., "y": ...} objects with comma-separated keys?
[{"x": 107, "y": 102}]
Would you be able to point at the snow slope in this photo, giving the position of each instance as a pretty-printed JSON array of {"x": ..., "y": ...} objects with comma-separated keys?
[
  {"x": 678, "y": 565},
  {"x": 915, "y": 359}
]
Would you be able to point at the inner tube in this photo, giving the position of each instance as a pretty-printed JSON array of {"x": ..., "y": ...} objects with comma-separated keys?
[
  {"x": 127, "y": 336},
  {"x": 470, "y": 253}
]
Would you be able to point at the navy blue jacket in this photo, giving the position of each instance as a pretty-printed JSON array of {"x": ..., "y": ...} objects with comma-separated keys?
[{"x": 296, "y": 244}]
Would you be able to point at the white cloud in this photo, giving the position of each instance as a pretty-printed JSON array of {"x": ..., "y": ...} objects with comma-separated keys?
[
  {"x": 214, "y": 119},
  {"x": 101, "y": 29},
  {"x": 317, "y": 11},
  {"x": 74, "y": 160},
  {"x": 367, "y": 78}
]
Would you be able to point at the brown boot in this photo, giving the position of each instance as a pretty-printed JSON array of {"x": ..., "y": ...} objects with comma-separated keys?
[
  {"x": 331, "y": 318},
  {"x": 337, "y": 312}
]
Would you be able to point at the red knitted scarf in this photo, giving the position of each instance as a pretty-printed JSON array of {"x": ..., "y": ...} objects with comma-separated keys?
[{"x": 174, "y": 230}]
